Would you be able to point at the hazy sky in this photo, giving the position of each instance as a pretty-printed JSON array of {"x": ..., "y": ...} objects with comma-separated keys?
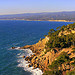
[{"x": 33, "y": 6}]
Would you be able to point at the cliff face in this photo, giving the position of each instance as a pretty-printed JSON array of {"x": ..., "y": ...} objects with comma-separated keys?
[{"x": 43, "y": 60}]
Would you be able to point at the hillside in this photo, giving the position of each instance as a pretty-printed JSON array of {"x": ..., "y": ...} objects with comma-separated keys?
[
  {"x": 55, "y": 54},
  {"x": 51, "y": 16}
]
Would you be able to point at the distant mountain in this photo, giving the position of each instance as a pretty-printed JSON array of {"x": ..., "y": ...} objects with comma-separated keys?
[{"x": 69, "y": 16}]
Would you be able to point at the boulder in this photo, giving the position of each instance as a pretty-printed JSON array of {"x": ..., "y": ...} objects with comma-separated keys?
[
  {"x": 13, "y": 47},
  {"x": 23, "y": 56},
  {"x": 30, "y": 65},
  {"x": 27, "y": 58}
]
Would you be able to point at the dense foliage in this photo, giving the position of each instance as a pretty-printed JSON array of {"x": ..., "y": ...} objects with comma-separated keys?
[
  {"x": 71, "y": 73},
  {"x": 53, "y": 72},
  {"x": 73, "y": 50},
  {"x": 61, "y": 41},
  {"x": 63, "y": 58}
]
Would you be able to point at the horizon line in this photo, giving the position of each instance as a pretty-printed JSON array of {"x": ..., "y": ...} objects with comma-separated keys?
[{"x": 37, "y": 12}]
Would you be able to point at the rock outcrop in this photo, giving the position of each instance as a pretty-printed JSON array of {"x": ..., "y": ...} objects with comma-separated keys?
[
  {"x": 41, "y": 59},
  {"x": 38, "y": 47},
  {"x": 44, "y": 57}
]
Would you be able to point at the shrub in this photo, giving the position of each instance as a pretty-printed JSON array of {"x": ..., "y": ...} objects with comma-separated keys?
[{"x": 71, "y": 73}]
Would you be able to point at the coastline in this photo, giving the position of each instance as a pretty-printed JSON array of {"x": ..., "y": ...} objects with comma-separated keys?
[
  {"x": 37, "y": 49},
  {"x": 23, "y": 63},
  {"x": 28, "y": 39},
  {"x": 44, "y": 57},
  {"x": 41, "y": 20}
]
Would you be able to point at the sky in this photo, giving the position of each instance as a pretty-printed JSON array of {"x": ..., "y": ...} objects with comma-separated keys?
[{"x": 35, "y": 6}]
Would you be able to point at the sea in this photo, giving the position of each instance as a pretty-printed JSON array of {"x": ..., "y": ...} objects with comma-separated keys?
[{"x": 18, "y": 33}]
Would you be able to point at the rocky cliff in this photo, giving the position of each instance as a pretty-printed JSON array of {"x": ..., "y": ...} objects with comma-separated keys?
[
  {"x": 57, "y": 51},
  {"x": 43, "y": 59}
]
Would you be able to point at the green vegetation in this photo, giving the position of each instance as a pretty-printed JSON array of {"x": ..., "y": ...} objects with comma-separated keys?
[
  {"x": 73, "y": 50},
  {"x": 63, "y": 58},
  {"x": 61, "y": 41},
  {"x": 73, "y": 63},
  {"x": 71, "y": 73},
  {"x": 53, "y": 72}
]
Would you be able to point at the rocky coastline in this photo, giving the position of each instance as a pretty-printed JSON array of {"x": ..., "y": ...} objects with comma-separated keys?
[
  {"x": 35, "y": 60},
  {"x": 40, "y": 59},
  {"x": 59, "y": 58}
]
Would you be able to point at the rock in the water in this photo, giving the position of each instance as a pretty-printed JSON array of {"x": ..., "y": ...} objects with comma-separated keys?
[
  {"x": 13, "y": 47},
  {"x": 23, "y": 56},
  {"x": 27, "y": 58}
]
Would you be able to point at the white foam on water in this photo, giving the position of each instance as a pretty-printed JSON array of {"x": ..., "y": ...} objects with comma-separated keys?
[
  {"x": 19, "y": 54},
  {"x": 23, "y": 63},
  {"x": 17, "y": 48}
]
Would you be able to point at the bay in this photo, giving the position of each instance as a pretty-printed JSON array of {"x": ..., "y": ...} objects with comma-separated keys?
[{"x": 17, "y": 33}]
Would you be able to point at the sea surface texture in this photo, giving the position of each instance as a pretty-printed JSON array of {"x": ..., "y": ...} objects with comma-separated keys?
[{"x": 17, "y": 33}]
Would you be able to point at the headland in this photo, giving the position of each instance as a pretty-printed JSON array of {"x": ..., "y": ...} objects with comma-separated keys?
[{"x": 55, "y": 54}]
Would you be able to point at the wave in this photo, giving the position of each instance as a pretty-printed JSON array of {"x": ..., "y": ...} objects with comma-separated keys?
[{"x": 23, "y": 63}]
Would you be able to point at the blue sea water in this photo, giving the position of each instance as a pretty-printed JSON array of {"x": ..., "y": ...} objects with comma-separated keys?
[{"x": 17, "y": 33}]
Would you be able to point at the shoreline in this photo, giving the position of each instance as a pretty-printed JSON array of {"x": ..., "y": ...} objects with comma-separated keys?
[
  {"x": 25, "y": 64},
  {"x": 37, "y": 49},
  {"x": 41, "y": 20},
  {"x": 43, "y": 57}
]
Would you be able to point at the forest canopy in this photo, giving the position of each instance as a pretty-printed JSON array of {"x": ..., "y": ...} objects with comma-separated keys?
[{"x": 65, "y": 39}]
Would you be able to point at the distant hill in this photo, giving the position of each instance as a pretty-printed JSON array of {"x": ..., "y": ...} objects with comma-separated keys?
[{"x": 69, "y": 16}]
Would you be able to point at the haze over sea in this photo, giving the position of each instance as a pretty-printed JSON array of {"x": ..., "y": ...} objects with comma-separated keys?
[{"x": 17, "y": 33}]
